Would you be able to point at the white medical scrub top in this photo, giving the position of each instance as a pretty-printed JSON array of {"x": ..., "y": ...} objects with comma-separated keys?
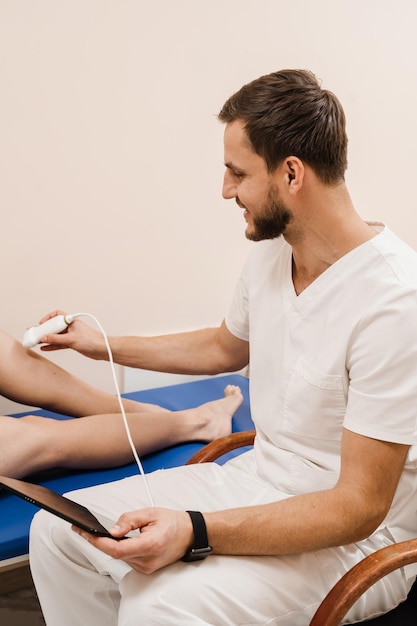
[{"x": 342, "y": 354}]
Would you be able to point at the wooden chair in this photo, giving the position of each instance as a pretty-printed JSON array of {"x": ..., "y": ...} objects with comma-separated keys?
[{"x": 358, "y": 579}]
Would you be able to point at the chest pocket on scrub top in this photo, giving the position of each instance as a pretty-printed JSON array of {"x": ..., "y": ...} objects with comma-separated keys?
[{"x": 314, "y": 403}]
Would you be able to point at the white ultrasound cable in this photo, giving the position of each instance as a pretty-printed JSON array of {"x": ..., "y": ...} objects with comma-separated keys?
[{"x": 58, "y": 324}]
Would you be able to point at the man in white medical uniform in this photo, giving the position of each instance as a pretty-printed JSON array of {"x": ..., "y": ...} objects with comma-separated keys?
[{"x": 326, "y": 313}]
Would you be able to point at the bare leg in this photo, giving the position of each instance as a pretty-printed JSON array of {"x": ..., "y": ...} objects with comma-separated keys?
[
  {"x": 29, "y": 378},
  {"x": 35, "y": 443}
]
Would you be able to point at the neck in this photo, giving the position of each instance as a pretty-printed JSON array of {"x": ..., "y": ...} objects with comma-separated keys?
[{"x": 322, "y": 232}]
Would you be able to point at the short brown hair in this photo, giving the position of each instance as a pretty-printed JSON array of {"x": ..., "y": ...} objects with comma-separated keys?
[{"x": 287, "y": 113}]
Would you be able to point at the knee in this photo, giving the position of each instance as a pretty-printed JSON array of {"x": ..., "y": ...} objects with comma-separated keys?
[
  {"x": 47, "y": 533},
  {"x": 40, "y": 531},
  {"x": 38, "y": 527}
]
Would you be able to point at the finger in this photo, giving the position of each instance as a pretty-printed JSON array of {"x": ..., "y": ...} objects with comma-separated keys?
[
  {"x": 102, "y": 543},
  {"x": 122, "y": 550},
  {"x": 120, "y": 531},
  {"x": 48, "y": 316},
  {"x": 51, "y": 348},
  {"x": 61, "y": 339}
]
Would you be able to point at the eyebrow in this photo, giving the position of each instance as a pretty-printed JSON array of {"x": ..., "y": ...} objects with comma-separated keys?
[{"x": 234, "y": 168}]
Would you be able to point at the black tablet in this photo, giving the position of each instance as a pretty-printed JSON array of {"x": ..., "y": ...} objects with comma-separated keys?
[{"x": 58, "y": 505}]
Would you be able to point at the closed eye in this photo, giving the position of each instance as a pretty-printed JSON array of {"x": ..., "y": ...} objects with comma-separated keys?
[{"x": 234, "y": 171}]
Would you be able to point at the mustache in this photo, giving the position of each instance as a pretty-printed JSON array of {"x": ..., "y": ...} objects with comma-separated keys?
[{"x": 239, "y": 204}]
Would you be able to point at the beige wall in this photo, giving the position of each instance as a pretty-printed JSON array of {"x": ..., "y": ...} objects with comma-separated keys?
[{"x": 111, "y": 156}]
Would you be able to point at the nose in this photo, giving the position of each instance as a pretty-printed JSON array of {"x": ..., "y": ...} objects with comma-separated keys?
[{"x": 229, "y": 187}]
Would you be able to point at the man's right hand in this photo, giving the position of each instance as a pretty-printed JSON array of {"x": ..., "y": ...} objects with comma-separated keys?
[{"x": 77, "y": 336}]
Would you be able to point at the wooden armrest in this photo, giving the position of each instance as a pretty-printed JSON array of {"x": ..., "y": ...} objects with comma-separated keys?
[
  {"x": 220, "y": 446},
  {"x": 360, "y": 578}
]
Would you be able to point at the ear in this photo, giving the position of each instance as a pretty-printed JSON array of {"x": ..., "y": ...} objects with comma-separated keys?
[{"x": 293, "y": 171}]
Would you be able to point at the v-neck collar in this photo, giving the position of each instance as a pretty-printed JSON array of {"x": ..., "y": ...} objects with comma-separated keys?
[{"x": 328, "y": 277}]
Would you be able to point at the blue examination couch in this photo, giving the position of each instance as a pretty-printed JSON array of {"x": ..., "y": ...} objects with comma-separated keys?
[{"x": 16, "y": 514}]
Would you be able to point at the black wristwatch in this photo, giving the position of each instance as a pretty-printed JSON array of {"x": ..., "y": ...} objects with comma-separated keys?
[{"x": 200, "y": 548}]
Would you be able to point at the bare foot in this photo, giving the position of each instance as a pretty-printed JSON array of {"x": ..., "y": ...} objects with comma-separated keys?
[{"x": 214, "y": 419}]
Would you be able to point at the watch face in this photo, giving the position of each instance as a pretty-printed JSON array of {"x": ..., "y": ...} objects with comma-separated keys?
[{"x": 196, "y": 554}]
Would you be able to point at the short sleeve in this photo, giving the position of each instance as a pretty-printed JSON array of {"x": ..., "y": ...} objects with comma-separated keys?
[
  {"x": 237, "y": 318},
  {"x": 383, "y": 373}
]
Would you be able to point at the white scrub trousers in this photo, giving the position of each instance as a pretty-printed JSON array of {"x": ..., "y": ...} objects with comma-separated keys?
[{"x": 79, "y": 585}]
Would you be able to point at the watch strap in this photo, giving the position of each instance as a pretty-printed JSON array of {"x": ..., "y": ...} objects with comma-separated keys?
[{"x": 200, "y": 548}]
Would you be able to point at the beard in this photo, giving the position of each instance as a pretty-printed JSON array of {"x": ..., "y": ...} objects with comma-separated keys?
[{"x": 272, "y": 220}]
